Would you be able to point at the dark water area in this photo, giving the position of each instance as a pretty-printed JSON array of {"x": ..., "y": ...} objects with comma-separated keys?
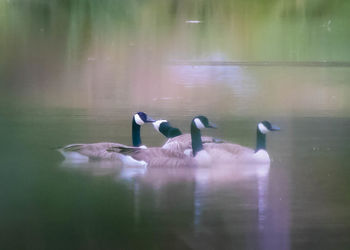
[{"x": 300, "y": 202}]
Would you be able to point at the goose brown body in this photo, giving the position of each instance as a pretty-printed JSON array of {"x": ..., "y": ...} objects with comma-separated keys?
[
  {"x": 228, "y": 153},
  {"x": 184, "y": 142},
  {"x": 157, "y": 157},
  {"x": 94, "y": 151}
]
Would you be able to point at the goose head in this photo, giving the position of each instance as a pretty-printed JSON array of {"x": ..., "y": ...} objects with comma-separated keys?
[
  {"x": 198, "y": 123},
  {"x": 141, "y": 118},
  {"x": 201, "y": 122},
  {"x": 265, "y": 126},
  {"x": 165, "y": 128},
  {"x": 138, "y": 120}
]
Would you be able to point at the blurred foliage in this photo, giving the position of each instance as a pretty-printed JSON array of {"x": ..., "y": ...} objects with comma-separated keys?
[
  {"x": 49, "y": 46},
  {"x": 241, "y": 30}
]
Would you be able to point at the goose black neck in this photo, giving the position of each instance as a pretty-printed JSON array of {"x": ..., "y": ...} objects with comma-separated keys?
[
  {"x": 136, "y": 134},
  {"x": 168, "y": 131},
  {"x": 260, "y": 141},
  {"x": 196, "y": 139}
]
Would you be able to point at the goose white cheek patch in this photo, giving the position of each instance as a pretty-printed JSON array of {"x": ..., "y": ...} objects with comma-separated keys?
[
  {"x": 138, "y": 119},
  {"x": 199, "y": 123},
  {"x": 156, "y": 124},
  {"x": 262, "y": 128}
]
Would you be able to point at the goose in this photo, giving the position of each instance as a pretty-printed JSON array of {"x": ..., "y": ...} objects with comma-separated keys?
[
  {"x": 97, "y": 151},
  {"x": 183, "y": 143},
  {"x": 176, "y": 140},
  {"x": 234, "y": 153},
  {"x": 166, "y": 129},
  {"x": 158, "y": 157}
]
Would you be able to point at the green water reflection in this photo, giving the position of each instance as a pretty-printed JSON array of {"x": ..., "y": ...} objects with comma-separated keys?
[
  {"x": 68, "y": 52},
  {"x": 50, "y": 205}
]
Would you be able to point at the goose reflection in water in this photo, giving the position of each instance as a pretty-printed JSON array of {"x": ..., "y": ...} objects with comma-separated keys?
[
  {"x": 202, "y": 191},
  {"x": 206, "y": 181}
]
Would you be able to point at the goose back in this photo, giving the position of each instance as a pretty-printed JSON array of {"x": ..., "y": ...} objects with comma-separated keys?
[
  {"x": 156, "y": 157},
  {"x": 184, "y": 142},
  {"x": 93, "y": 151},
  {"x": 234, "y": 153}
]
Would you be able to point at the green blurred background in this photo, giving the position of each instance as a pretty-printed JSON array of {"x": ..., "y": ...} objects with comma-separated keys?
[{"x": 70, "y": 53}]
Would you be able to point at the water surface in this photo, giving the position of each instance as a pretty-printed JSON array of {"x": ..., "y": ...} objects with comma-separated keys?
[
  {"x": 76, "y": 71},
  {"x": 299, "y": 202}
]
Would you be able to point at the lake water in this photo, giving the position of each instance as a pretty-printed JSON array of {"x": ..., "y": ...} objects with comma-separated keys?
[
  {"x": 75, "y": 71},
  {"x": 300, "y": 202}
]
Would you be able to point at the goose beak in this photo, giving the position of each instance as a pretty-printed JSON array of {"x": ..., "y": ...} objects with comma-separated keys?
[
  {"x": 212, "y": 125},
  {"x": 150, "y": 119},
  {"x": 275, "y": 128}
]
